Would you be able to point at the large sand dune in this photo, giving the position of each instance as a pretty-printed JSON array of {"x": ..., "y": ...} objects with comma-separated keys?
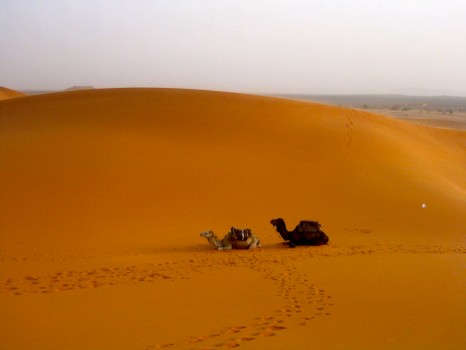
[{"x": 110, "y": 189}]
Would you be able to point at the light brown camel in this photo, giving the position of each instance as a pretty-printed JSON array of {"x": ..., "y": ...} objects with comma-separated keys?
[{"x": 235, "y": 239}]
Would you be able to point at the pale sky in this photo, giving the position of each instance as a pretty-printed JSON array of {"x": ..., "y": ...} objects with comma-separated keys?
[{"x": 264, "y": 46}]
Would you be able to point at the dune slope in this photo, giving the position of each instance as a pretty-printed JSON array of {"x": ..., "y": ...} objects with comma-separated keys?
[
  {"x": 6, "y": 93},
  {"x": 143, "y": 167}
]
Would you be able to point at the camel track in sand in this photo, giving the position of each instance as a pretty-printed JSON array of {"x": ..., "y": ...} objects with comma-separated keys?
[
  {"x": 304, "y": 301},
  {"x": 349, "y": 126}
]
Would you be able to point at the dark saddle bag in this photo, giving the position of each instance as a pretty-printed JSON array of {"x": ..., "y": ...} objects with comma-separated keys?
[{"x": 241, "y": 234}]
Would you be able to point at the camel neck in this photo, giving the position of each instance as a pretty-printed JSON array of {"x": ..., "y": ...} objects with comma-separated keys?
[
  {"x": 281, "y": 228},
  {"x": 214, "y": 241}
]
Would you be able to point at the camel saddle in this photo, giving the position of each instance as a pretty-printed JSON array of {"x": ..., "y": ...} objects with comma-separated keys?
[
  {"x": 308, "y": 226},
  {"x": 242, "y": 235}
]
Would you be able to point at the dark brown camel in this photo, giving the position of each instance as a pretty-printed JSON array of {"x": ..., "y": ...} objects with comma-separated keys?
[{"x": 306, "y": 233}]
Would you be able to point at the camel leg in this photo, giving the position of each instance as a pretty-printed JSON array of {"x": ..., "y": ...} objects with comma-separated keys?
[
  {"x": 226, "y": 242},
  {"x": 256, "y": 242}
]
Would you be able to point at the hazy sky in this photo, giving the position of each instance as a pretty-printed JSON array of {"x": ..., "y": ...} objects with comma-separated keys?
[{"x": 288, "y": 46}]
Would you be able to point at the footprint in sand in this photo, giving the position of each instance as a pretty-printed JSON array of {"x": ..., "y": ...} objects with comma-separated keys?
[
  {"x": 158, "y": 346},
  {"x": 269, "y": 331},
  {"x": 294, "y": 289},
  {"x": 232, "y": 343}
]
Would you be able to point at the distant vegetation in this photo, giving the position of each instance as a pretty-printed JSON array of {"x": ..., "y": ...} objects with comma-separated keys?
[{"x": 441, "y": 104}]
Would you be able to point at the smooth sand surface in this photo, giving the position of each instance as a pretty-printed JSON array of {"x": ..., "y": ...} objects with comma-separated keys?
[
  {"x": 6, "y": 93},
  {"x": 104, "y": 193}
]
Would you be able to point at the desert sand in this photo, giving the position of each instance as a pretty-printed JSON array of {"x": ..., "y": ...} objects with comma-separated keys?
[
  {"x": 6, "y": 93},
  {"x": 104, "y": 193}
]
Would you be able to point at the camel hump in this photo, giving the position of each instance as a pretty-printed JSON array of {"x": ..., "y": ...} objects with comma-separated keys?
[
  {"x": 241, "y": 234},
  {"x": 308, "y": 226}
]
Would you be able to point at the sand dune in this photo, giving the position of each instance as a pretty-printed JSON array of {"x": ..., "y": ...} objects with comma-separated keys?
[
  {"x": 104, "y": 193},
  {"x": 6, "y": 93}
]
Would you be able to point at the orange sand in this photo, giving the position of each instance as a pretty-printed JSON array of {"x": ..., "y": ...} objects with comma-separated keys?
[
  {"x": 6, "y": 93},
  {"x": 104, "y": 193}
]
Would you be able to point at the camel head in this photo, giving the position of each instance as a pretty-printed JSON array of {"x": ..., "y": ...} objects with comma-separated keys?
[
  {"x": 280, "y": 226},
  {"x": 276, "y": 222},
  {"x": 207, "y": 234}
]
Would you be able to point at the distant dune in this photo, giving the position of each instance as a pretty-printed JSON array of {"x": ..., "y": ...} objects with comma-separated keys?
[
  {"x": 104, "y": 194},
  {"x": 6, "y": 93}
]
